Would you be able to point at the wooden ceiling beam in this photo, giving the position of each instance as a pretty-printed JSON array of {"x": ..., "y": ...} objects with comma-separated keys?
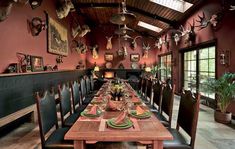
[{"x": 130, "y": 8}]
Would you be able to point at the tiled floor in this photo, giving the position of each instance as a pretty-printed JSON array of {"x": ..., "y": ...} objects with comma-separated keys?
[{"x": 210, "y": 135}]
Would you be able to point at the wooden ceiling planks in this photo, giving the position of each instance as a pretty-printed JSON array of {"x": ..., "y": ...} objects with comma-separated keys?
[{"x": 101, "y": 14}]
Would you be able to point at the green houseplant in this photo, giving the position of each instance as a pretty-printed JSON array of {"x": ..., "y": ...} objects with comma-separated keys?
[{"x": 224, "y": 87}]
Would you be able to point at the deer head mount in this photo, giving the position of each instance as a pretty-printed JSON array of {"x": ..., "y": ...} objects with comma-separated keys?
[
  {"x": 79, "y": 47},
  {"x": 191, "y": 35},
  {"x": 36, "y": 26},
  {"x": 146, "y": 49},
  {"x": 109, "y": 45},
  {"x": 134, "y": 43},
  {"x": 124, "y": 51},
  {"x": 63, "y": 8},
  {"x": 179, "y": 33},
  {"x": 81, "y": 32},
  {"x": 158, "y": 43},
  {"x": 213, "y": 20},
  {"x": 94, "y": 50},
  {"x": 5, "y": 8}
]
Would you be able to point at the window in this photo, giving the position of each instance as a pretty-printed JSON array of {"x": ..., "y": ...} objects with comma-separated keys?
[
  {"x": 199, "y": 65},
  {"x": 178, "y": 5},
  {"x": 165, "y": 67}
]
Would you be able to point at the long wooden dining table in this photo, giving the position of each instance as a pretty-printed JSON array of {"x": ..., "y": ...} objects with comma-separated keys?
[{"x": 92, "y": 130}]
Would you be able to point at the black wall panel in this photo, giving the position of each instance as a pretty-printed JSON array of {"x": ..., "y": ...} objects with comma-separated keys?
[{"x": 17, "y": 91}]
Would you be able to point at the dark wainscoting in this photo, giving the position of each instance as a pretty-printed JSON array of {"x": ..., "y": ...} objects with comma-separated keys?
[{"x": 17, "y": 90}]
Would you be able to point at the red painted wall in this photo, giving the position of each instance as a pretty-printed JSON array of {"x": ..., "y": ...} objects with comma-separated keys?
[
  {"x": 15, "y": 37},
  {"x": 98, "y": 36},
  {"x": 224, "y": 36}
]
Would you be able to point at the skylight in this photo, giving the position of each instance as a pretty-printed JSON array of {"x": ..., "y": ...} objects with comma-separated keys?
[
  {"x": 178, "y": 5},
  {"x": 149, "y": 26}
]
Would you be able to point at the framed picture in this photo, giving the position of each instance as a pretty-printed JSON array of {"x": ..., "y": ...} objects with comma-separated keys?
[
  {"x": 135, "y": 57},
  {"x": 108, "y": 57},
  {"x": 36, "y": 63},
  {"x": 57, "y": 38}
]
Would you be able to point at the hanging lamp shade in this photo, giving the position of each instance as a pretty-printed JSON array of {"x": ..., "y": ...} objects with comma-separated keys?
[
  {"x": 124, "y": 17},
  {"x": 125, "y": 37},
  {"x": 123, "y": 30}
]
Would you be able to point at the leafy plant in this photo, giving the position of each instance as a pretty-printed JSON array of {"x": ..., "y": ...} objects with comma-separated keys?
[{"x": 224, "y": 87}]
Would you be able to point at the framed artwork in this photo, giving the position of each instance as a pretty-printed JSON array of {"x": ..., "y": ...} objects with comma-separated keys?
[
  {"x": 57, "y": 38},
  {"x": 108, "y": 57},
  {"x": 135, "y": 57},
  {"x": 37, "y": 63}
]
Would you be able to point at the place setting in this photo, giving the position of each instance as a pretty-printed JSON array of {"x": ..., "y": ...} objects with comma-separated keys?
[
  {"x": 93, "y": 113},
  {"x": 140, "y": 113}
]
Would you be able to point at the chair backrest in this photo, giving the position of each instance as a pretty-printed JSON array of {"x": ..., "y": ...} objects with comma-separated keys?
[
  {"x": 167, "y": 100},
  {"x": 76, "y": 97},
  {"x": 143, "y": 89},
  {"x": 47, "y": 116},
  {"x": 88, "y": 84},
  {"x": 157, "y": 93},
  {"x": 140, "y": 83},
  {"x": 188, "y": 114},
  {"x": 92, "y": 83},
  {"x": 149, "y": 88},
  {"x": 83, "y": 87},
  {"x": 65, "y": 101}
]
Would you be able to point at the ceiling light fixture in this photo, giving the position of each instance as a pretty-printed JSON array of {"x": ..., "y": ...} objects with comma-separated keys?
[
  {"x": 149, "y": 26},
  {"x": 178, "y": 5},
  {"x": 35, "y": 3}
]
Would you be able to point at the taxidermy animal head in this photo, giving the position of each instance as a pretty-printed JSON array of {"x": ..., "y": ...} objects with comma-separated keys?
[
  {"x": 124, "y": 51},
  {"x": 5, "y": 8},
  {"x": 158, "y": 43},
  {"x": 166, "y": 41},
  {"x": 63, "y": 8},
  {"x": 213, "y": 20},
  {"x": 179, "y": 33},
  {"x": 83, "y": 31},
  {"x": 109, "y": 45},
  {"x": 75, "y": 29},
  {"x": 95, "y": 54},
  {"x": 191, "y": 35},
  {"x": 79, "y": 47},
  {"x": 134, "y": 43},
  {"x": 146, "y": 48},
  {"x": 36, "y": 26}
]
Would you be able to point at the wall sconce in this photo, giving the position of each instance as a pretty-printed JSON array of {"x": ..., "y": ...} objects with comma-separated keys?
[
  {"x": 35, "y": 3},
  {"x": 224, "y": 58}
]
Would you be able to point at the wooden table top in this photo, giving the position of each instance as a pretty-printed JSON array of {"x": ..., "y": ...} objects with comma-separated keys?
[{"x": 96, "y": 129}]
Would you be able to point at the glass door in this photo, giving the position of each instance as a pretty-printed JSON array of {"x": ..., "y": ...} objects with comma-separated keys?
[{"x": 199, "y": 65}]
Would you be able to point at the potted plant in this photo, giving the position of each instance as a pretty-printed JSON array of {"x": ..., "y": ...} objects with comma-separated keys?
[{"x": 224, "y": 87}]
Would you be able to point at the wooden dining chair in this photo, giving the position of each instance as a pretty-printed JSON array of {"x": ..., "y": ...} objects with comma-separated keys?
[
  {"x": 187, "y": 120},
  {"x": 47, "y": 119},
  {"x": 140, "y": 85},
  {"x": 78, "y": 107},
  {"x": 143, "y": 88},
  {"x": 157, "y": 94},
  {"x": 65, "y": 107},
  {"x": 86, "y": 98},
  {"x": 167, "y": 105},
  {"x": 149, "y": 90}
]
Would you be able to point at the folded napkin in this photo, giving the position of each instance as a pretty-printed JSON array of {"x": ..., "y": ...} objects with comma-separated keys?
[
  {"x": 111, "y": 104},
  {"x": 135, "y": 99},
  {"x": 93, "y": 110},
  {"x": 120, "y": 118},
  {"x": 139, "y": 110}
]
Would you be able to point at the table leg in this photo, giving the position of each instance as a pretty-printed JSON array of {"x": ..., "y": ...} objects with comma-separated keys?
[
  {"x": 157, "y": 145},
  {"x": 79, "y": 144}
]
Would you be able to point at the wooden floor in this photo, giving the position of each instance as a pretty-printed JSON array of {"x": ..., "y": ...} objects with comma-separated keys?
[{"x": 210, "y": 135}]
